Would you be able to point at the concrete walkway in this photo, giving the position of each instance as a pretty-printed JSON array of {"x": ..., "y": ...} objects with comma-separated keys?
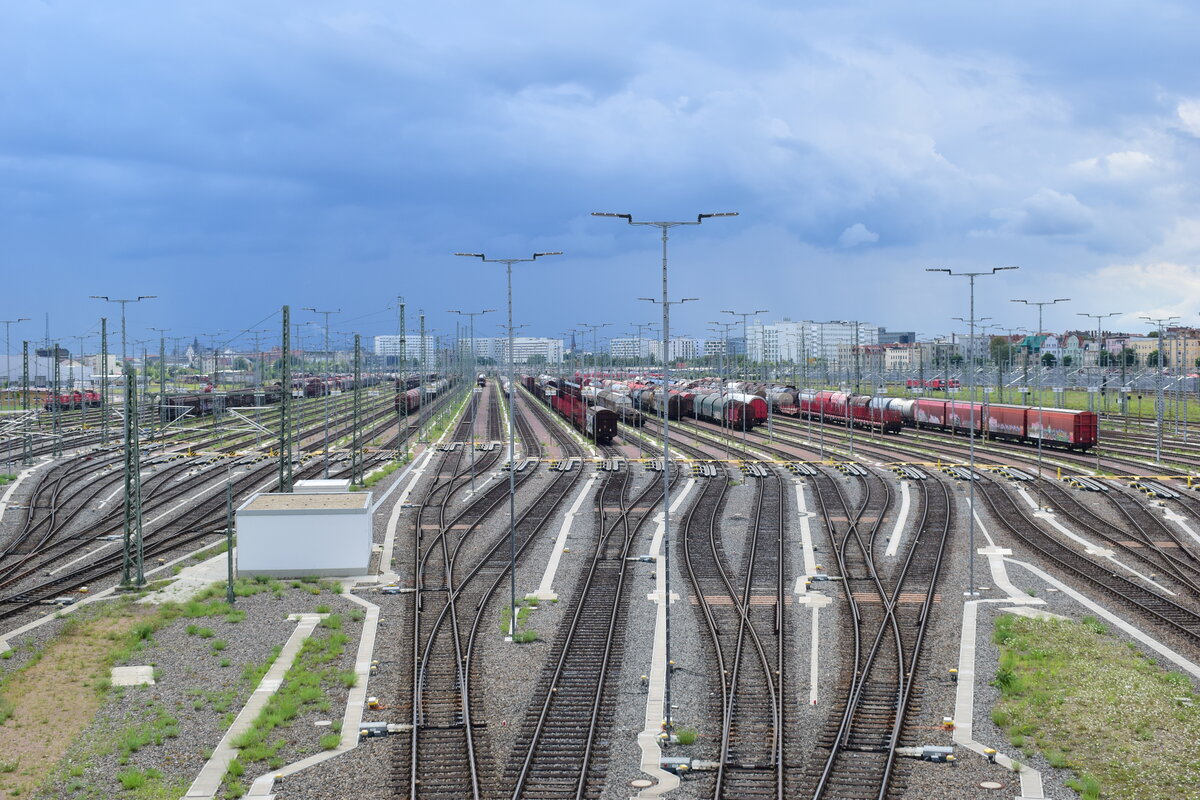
[
  {"x": 208, "y": 782},
  {"x": 656, "y": 694},
  {"x": 351, "y": 719},
  {"x": 12, "y": 487},
  {"x": 545, "y": 590},
  {"x": 905, "y": 504},
  {"x": 964, "y": 700}
]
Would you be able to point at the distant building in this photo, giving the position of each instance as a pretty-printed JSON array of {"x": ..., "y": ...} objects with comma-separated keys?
[
  {"x": 389, "y": 346},
  {"x": 681, "y": 349},
  {"x": 815, "y": 341},
  {"x": 897, "y": 337},
  {"x": 631, "y": 348}
]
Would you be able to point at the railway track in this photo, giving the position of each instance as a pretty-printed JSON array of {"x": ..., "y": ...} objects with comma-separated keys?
[
  {"x": 457, "y": 582},
  {"x": 1164, "y": 612},
  {"x": 556, "y": 753},
  {"x": 741, "y": 605},
  {"x": 890, "y": 607},
  {"x": 31, "y": 566}
]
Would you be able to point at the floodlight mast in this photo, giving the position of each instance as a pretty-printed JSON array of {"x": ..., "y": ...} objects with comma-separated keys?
[
  {"x": 970, "y": 276},
  {"x": 1041, "y": 304},
  {"x": 474, "y": 395},
  {"x": 664, "y": 227},
  {"x": 512, "y": 445},
  {"x": 1160, "y": 402}
]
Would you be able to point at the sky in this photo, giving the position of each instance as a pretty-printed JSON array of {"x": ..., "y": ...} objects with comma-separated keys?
[{"x": 232, "y": 157}]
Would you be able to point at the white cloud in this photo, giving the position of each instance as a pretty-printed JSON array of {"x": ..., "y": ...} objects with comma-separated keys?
[
  {"x": 1154, "y": 289},
  {"x": 1122, "y": 165},
  {"x": 857, "y": 234},
  {"x": 1046, "y": 213},
  {"x": 1189, "y": 115}
]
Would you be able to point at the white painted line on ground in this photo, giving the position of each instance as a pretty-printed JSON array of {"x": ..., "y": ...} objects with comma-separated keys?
[
  {"x": 656, "y": 692},
  {"x": 995, "y": 557},
  {"x": 905, "y": 503},
  {"x": 964, "y": 703},
  {"x": 545, "y": 590},
  {"x": 1166, "y": 652},
  {"x": 114, "y": 493},
  {"x": 1028, "y": 498},
  {"x": 12, "y": 487},
  {"x": 806, "y": 545},
  {"x": 1181, "y": 521},
  {"x": 355, "y": 704},
  {"x": 83, "y": 557},
  {"x": 389, "y": 538},
  {"x": 1103, "y": 552}
]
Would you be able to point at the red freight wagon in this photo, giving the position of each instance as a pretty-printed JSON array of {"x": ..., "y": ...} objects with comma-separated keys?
[
  {"x": 1006, "y": 421},
  {"x": 1072, "y": 428},
  {"x": 960, "y": 416},
  {"x": 931, "y": 413}
]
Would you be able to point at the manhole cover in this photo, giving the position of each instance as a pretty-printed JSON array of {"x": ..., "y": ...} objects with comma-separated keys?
[
  {"x": 991, "y": 785},
  {"x": 641, "y": 783}
]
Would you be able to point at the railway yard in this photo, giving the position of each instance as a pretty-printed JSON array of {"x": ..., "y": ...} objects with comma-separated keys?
[{"x": 822, "y": 639}]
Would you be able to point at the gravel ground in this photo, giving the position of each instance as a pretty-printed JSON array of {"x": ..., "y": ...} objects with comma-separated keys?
[{"x": 200, "y": 688}]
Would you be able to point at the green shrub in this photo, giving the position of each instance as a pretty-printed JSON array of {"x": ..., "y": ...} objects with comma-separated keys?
[{"x": 686, "y": 735}]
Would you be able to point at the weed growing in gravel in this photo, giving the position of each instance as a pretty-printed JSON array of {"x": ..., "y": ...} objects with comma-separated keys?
[
  {"x": 330, "y": 741},
  {"x": 1089, "y": 703},
  {"x": 303, "y": 689},
  {"x": 323, "y": 609},
  {"x": 355, "y": 614},
  {"x": 136, "y": 779},
  {"x": 525, "y": 608},
  {"x": 686, "y": 735}
]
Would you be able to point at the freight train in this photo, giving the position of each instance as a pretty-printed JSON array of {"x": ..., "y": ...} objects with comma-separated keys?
[
  {"x": 417, "y": 394},
  {"x": 1075, "y": 430},
  {"x": 201, "y": 404},
  {"x": 594, "y": 421}
]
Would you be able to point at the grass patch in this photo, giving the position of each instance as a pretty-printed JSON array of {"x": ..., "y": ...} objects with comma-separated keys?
[
  {"x": 525, "y": 608},
  {"x": 686, "y": 735},
  {"x": 1090, "y": 704},
  {"x": 304, "y": 688}
]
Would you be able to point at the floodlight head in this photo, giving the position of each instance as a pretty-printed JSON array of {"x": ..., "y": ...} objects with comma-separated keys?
[
  {"x": 470, "y": 255},
  {"x": 717, "y": 214},
  {"x": 628, "y": 217},
  {"x": 938, "y": 269},
  {"x": 999, "y": 269}
]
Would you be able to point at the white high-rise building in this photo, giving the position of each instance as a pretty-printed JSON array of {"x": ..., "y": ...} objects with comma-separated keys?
[
  {"x": 794, "y": 341},
  {"x": 389, "y": 345},
  {"x": 631, "y": 348},
  {"x": 681, "y": 349}
]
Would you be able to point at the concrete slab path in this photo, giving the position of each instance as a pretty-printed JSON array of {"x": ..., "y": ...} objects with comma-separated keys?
[{"x": 208, "y": 782}]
